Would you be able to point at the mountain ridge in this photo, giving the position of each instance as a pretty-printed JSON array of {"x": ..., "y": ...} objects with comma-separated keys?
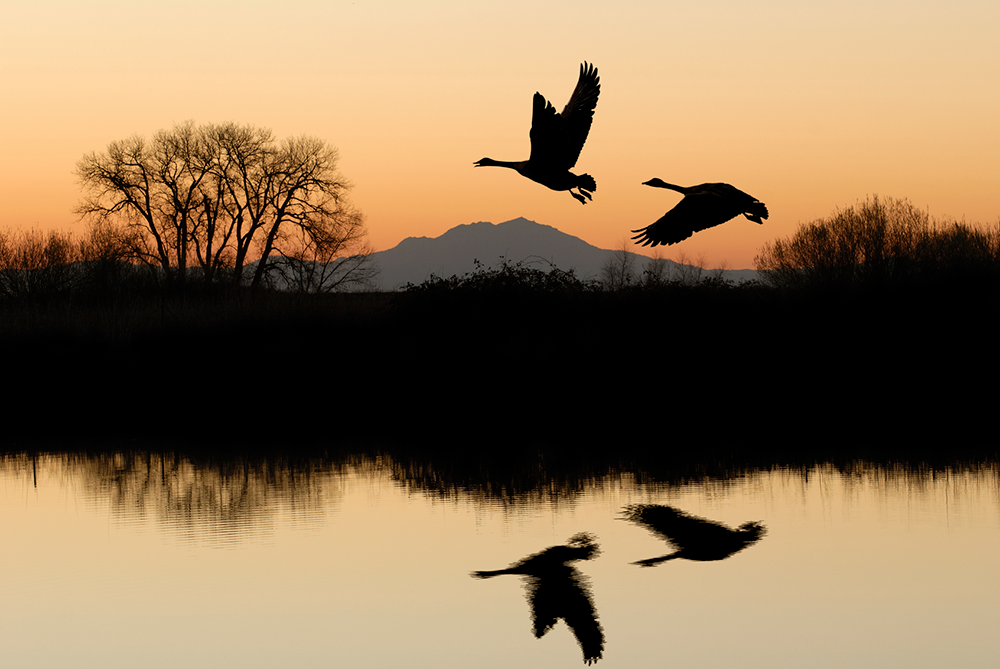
[{"x": 455, "y": 252}]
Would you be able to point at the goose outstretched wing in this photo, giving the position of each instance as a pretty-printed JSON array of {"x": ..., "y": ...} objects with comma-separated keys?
[
  {"x": 557, "y": 139},
  {"x": 704, "y": 207},
  {"x": 692, "y": 214}
]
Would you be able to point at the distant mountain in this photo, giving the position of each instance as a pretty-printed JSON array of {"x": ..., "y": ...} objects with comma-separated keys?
[{"x": 415, "y": 259}]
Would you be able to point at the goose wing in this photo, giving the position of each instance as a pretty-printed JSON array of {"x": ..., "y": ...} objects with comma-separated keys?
[
  {"x": 557, "y": 139},
  {"x": 704, "y": 207},
  {"x": 692, "y": 214}
]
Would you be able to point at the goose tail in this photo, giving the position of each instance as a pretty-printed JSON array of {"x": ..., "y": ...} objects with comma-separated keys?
[{"x": 586, "y": 182}]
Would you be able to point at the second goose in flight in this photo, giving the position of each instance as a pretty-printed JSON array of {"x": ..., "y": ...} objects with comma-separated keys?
[
  {"x": 703, "y": 207},
  {"x": 557, "y": 139}
]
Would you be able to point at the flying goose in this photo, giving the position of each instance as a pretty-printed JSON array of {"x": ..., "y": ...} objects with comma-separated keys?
[
  {"x": 557, "y": 139},
  {"x": 703, "y": 206}
]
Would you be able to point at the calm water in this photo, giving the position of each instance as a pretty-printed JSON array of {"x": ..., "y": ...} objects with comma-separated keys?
[{"x": 117, "y": 562}]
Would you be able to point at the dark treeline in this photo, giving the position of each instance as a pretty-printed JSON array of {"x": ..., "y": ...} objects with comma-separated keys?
[{"x": 513, "y": 355}]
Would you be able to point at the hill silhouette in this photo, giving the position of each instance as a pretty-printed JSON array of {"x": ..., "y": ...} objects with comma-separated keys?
[{"x": 415, "y": 259}]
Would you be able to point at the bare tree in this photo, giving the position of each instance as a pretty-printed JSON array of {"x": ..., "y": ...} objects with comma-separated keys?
[
  {"x": 687, "y": 271},
  {"x": 618, "y": 271},
  {"x": 223, "y": 196},
  {"x": 880, "y": 241},
  {"x": 656, "y": 271},
  {"x": 719, "y": 273},
  {"x": 121, "y": 188},
  {"x": 329, "y": 255},
  {"x": 36, "y": 264}
]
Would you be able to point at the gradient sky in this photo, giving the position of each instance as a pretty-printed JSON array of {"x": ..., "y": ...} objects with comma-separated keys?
[{"x": 808, "y": 107}]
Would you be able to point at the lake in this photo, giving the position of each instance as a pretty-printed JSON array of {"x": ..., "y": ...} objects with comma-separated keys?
[{"x": 154, "y": 560}]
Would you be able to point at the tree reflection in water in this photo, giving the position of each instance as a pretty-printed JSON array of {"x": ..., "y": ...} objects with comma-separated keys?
[{"x": 555, "y": 590}]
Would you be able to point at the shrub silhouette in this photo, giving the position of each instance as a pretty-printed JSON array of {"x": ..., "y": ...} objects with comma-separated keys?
[
  {"x": 34, "y": 264},
  {"x": 880, "y": 241},
  {"x": 505, "y": 279}
]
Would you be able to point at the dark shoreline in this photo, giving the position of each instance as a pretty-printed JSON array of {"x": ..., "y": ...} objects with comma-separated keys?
[{"x": 697, "y": 365}]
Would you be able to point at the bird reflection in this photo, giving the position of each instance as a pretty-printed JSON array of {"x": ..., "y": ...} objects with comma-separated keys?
[
  {"x": 695, "y": 538},
  {"x": 555, "y": 590}
]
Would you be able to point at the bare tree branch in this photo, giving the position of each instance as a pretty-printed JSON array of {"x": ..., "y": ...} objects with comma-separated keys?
[{"x": 220, "y": 197}]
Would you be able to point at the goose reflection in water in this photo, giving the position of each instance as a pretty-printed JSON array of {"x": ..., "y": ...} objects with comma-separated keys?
[
  {"x": 558, "y": 590},
  {"x": 695, "y": 538}
]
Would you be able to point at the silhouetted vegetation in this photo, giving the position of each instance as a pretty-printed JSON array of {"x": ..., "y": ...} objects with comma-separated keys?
[
  {"x": 520, "y": 351},
  {"x": 882, "y": 243},
  {"x": 230, "y": 201},
  {"x": 37, "y": 266},
  {"x": 520, "y": 277},
  {"x": 618, "y": 271}
]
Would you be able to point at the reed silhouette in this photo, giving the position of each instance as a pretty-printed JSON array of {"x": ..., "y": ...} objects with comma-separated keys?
[
  {"x": 695, "y": 538},
  {"x": 555, "y": 590},
  {"x": 557, "y": 139},
  {"x": 703, "y": 206}
]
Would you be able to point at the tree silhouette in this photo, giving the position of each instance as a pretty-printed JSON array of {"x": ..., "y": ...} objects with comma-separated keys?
[
  {"x": 220, "y": 196},
  {"x": 618, "y": 271}
]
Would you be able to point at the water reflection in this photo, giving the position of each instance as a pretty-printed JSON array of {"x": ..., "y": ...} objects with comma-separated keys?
[
  {"x": 222, "y": 500},
  {"x": 229, "y": 492},
  {"x": 694, "y": 538},
  {"x": 556, "y": 589},
  {"x": 328, "y": 556}
]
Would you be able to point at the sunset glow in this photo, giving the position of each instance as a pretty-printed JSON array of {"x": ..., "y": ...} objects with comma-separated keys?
[{"x": 809, "y": 108}]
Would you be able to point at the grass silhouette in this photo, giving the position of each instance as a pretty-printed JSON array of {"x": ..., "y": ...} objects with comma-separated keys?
[{"x": 516, "y": 353}]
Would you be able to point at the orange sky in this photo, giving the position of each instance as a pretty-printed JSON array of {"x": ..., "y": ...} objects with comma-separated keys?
[{"x": 806, "y": 107}]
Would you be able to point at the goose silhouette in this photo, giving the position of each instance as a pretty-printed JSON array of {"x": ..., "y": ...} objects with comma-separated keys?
[
  {"x": 556, "y": 589},
  {"x": 694, "y": 538},
  {"x": 703, "y": 206},
  {"x": 557, "y": 139}
]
